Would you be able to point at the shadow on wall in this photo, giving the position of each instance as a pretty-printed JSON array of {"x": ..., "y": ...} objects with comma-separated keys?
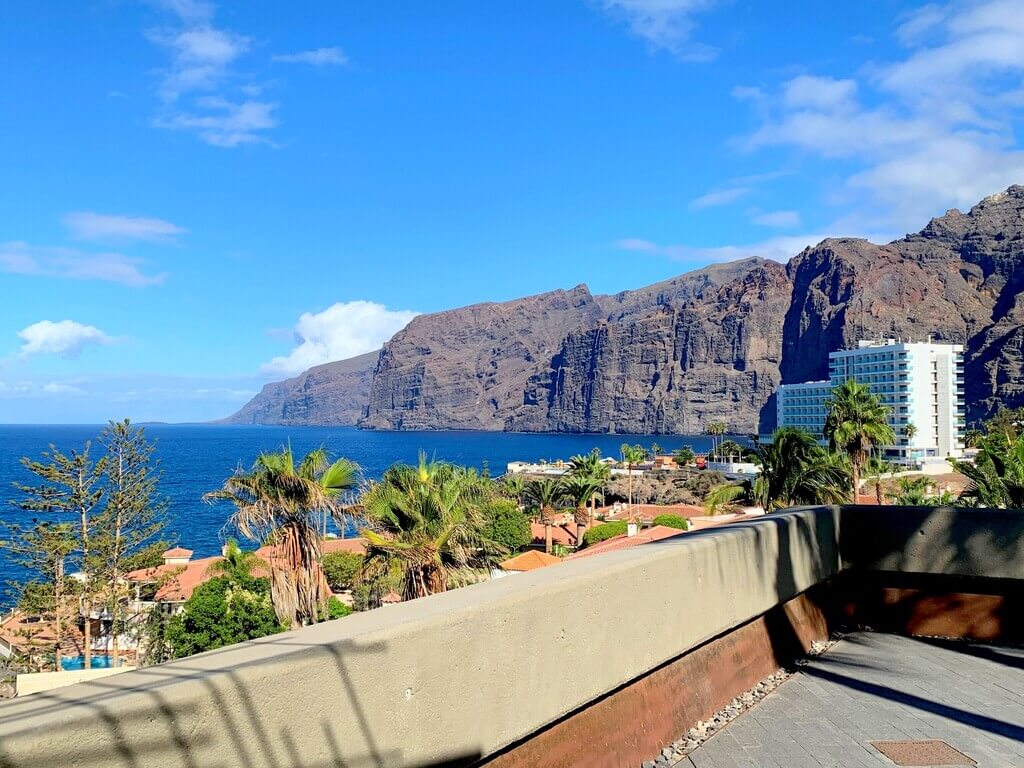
[
  {"x": 946, "y": 571},
  {"x": 254, "y": 742}
]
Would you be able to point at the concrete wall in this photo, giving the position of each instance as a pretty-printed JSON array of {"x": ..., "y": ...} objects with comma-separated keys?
[
  {"x": 449, "y": 679},
  {"x": 37, "y": 682},
  {"x": 438, "y": 681},
  {"x": 938, "y": 541}
]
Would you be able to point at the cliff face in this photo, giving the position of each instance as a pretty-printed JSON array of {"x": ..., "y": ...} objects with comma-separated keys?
[
  {"x": 330, "y": 394},
  {"x": 710, "y": 345},
  {"x": 469, "y": 368}
]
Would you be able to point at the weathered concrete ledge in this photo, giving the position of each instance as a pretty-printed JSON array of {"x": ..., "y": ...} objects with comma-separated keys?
[{"x": 456, "y": 678}]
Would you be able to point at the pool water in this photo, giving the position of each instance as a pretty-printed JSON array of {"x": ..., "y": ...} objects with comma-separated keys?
[{"x": 78, "y": 662}]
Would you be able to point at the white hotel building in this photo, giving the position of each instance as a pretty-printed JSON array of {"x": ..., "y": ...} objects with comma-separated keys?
[{"x": 922, "y": 383}]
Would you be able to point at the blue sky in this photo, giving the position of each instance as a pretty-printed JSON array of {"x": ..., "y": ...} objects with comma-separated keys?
[{"x": 201, "y": 198}]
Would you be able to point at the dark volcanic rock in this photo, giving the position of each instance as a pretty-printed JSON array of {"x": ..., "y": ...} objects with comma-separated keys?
[
  {"x": 710, "y": 345},
  {"x": 468, "y": 368},
  {"x": 330, "y": 394}
]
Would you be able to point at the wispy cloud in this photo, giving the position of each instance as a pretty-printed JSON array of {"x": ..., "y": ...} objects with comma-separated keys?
[
  {"x": 778, "y": 219},
  {"x": 65, "y": 338},
  {"x": 664, "y": 24},
  {"x": 341, "y": 331},
  {"x": 201, "y": 89},
  {"x": 781, "y": 248},
  {"x": 931, "y": 130},
  {"x": 319, "y": 57},
  {"x": 62, "y": 388},
  {"x": 719, "y": 197},
  {"x": 225, "y": 123},
  {"x": 86, "y": 225},
  {"x": 42, "y": 261},
  {"x": 201, "y": 56}
]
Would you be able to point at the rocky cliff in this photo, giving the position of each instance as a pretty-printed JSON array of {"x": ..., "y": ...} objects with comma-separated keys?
[
  {"x": 710, "y": 345},
  {"x": 331, "y": 394}
]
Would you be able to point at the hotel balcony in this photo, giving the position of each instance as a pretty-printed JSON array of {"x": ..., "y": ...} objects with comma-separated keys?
[{"x": 611, "y": 661}]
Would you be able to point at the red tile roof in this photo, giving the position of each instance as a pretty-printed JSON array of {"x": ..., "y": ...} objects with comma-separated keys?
[
  {"x": 180, "y": 581},
  {"x": 644, "y": 536},
  {"x": 650, "y": 511},
  {"x": 530, "y": 560},
  {"x": 564, "y": 534},
  {"x": 176, "y": 552}
]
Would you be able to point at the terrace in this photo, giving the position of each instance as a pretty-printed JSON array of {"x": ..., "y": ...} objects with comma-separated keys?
[{"x": 605, "y": 660}]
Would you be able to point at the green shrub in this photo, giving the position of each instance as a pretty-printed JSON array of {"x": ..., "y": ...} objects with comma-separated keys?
[
  {"x": 337, "y": 609},
  {"x": 507, "y": 525},
  {"x": 222, "y": 612},
  {"x": 341, "y": 568},
  {"x": 604, "y": 531},
  {"x": 672, "y": 521}
]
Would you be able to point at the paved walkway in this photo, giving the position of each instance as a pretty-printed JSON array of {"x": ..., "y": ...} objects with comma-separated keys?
[{"x": 875, "y": 687}]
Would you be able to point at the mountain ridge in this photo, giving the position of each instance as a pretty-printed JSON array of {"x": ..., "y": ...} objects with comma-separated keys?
[{"x": 708, "y": 345}]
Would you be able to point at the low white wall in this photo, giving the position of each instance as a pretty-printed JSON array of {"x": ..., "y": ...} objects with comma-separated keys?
[
  {"x": 449, "y": 677},
  {"x": 37, "y": 682}
]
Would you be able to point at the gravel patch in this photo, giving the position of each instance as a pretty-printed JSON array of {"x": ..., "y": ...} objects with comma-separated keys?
[{"x": 705, "y": 729}]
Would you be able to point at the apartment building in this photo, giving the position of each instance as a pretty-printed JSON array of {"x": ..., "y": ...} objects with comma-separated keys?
[{"x": 921, "y": 382}]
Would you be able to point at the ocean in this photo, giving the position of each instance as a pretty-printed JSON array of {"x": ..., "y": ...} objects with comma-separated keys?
[{"x": 197, "y": 459}]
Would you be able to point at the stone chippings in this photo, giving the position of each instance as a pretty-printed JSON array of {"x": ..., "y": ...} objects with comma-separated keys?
[{"x": 705, "y": 729}]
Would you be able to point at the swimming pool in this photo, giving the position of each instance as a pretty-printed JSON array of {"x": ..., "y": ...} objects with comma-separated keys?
[{"x": 78, "y": 662}]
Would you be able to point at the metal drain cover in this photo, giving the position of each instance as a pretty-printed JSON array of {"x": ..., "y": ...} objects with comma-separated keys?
[{"x": 922, "y": 753}]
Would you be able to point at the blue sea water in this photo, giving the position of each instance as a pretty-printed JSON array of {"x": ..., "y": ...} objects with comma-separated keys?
[{"x": 196, "y": 459}]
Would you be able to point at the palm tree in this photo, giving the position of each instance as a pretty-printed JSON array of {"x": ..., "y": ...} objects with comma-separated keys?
[
  {"x": 425, "y": 524},
  {"x": 972, "y": 438},
  {"x": 515, "y": 487},
  {"x": 715, "y": 429},
  {"x": 794, "y": 470},
  {"x": 727, "y": 449},
  {"x": 655, "y": 450},
  {"x": 856, "y": 423},
  {"x": 581, "y": 489},
  {"x": 875, "y": 467},
  {"x": 546, "y": 494},
  {"x": 631, "y": 454},
  {"x": 280, "y": 502},
  {"x": 996, "y": 476},
  {"x": 684, "y": 456},
  {"x": 237, "y": 564},
  {"x": 592, "y": 467},
  {"x": 910, "y": 430}
]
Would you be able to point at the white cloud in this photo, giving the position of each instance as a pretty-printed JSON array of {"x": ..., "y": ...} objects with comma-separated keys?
[
  {"x": 921, "y": 21},
  {"x": 225, "y": 123},
  {"x": 719, "y": 197},
  {"x": 929, "y": 131},
  {"x": 664, "y": 24},
  {"x": 62, "y": 388},
  {"x": 320, "y": 57},
  {"x": 201, "y": 86},
  {"x": 65, "y": 338},
  {"x": 341, "y": 331},
  {"x": 778, "y": 219},
  {"x": 819, "y": 92},
  {"x": 779, "y": 249},
  {"x": 200, "y": 57},
  {"x": 86, "y": 225},
  {"x": 24, "y": 259}
]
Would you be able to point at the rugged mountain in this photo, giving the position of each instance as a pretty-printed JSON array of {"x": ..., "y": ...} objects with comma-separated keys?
[
  {"x": 468, "y": 368},
  {"x": 959, "y": 280},
  {"x": 710, "y": 345},
  {"x": 330, "y": 394}
]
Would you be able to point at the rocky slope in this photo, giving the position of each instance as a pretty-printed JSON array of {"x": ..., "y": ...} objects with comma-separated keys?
[
  {"x": 333, "y": 394},
  {"x": 710, "y": 345}
]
